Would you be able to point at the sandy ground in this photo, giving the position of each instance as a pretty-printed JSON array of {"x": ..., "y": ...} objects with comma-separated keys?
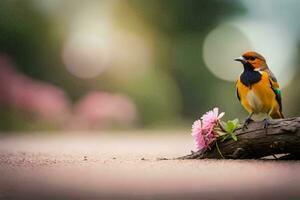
[{"x": 126, "y": 166}]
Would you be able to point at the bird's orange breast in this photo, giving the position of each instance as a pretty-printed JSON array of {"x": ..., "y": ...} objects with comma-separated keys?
[{"x": 258, "y": 97}]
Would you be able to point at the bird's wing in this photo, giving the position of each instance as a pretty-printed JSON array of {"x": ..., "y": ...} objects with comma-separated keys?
[
  {"x": 271, "y": 75},
  {"x": 237, "y": 91},
  {"x": 275, "y": 87}
]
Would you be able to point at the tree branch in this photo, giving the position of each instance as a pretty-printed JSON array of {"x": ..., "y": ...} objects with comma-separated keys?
[{"x": 281, "y": 137}]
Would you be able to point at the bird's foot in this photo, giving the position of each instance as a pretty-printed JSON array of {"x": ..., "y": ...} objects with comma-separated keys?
[
  {"x": 247, "y": 121},
  {"x": 266, "y": 124}
]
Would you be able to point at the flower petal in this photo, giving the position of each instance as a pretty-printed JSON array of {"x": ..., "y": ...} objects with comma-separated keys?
[{"x": 221, "y": 115}]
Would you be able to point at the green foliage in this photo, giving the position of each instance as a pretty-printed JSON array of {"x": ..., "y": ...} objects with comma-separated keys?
[{"x": 230, "y": 126}]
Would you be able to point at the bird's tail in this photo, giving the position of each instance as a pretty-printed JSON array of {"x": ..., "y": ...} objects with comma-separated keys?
[{"x": 277, "y": 115}]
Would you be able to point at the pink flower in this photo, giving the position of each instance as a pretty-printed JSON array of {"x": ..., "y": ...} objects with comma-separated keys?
[
  {"x": 203, "y": 131},
  {"x": 211, "y": 118},
  {"x": 198, "y": 134}
]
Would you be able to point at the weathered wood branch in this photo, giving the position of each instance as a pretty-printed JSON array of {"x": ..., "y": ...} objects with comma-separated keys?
[{"x": 281, "y": 137}]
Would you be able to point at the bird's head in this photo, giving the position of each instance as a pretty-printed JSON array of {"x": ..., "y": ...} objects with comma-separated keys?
[{"x": 252, "y": 60}]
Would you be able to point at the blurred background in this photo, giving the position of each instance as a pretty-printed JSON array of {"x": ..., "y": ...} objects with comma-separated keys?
[{"x": 134, "y": 64}]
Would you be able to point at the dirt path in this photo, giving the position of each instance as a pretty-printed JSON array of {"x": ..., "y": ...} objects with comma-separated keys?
[{"x": 125, "y": 166}]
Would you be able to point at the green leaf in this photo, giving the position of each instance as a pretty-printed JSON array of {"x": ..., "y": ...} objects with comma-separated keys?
[
  {"x": 234, "y": 137},
  {"x": 230, "y": 127},
  {"x": 224, "y": 137},
  {"x": 235, "y": 122}
]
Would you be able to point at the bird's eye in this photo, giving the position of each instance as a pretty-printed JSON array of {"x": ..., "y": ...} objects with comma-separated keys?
[{"x": 252, "y": 58}]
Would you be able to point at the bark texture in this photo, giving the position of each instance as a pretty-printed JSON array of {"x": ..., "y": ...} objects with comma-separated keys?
[{"x": 281, "y": 137}]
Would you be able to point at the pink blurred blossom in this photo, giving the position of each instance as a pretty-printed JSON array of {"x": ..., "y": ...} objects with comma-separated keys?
[
  {"x": 46, "y": 101},
  {"x": 203, "y": 131},
  {"x": 100, "y": 109},
  {"x": 23, "y": 93}
]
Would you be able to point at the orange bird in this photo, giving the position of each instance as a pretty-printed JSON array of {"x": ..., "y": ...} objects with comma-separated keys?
[{"x": 258, "y": 89}]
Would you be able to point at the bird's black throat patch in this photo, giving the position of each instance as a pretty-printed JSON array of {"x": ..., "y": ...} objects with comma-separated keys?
[{"x": 249, "y": 76}]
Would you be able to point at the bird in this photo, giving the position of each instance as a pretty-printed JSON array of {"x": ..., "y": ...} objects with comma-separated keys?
[{"x": 258, "y": 90}]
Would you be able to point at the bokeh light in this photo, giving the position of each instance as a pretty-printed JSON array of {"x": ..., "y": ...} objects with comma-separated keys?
[
  {"x": 221, "y": 46},
  {"x": 86, "y": 55},
  {"x": 88, "y": 48}
]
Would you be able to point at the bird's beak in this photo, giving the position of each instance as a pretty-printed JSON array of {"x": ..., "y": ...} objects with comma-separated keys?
[{"x": 241, "y": 59}]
